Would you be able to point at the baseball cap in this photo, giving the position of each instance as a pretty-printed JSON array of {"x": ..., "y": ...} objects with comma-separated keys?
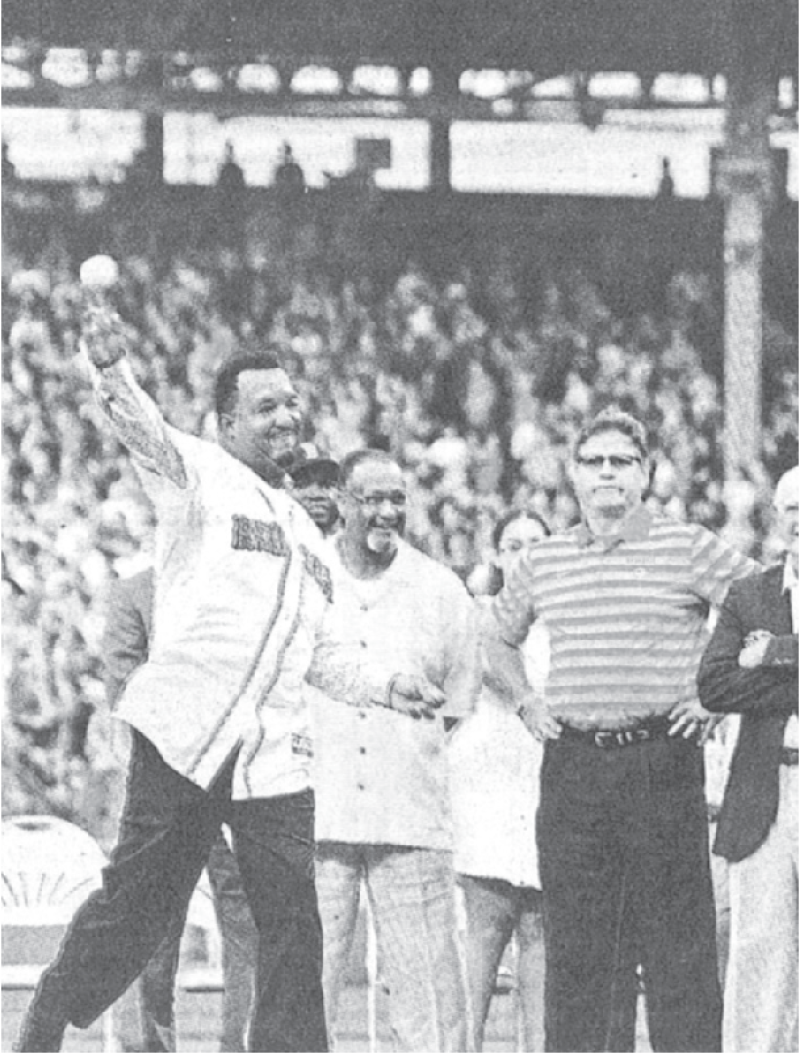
[{"x": 320, "y": 470}]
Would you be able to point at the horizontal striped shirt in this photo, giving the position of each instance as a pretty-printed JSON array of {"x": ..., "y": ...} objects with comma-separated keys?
[{"x": 627, "y": 617}]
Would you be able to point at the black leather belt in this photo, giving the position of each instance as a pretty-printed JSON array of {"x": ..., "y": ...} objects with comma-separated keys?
[
  {"x": 789, "y": 756},
  {"x": 608, "y": 738}
]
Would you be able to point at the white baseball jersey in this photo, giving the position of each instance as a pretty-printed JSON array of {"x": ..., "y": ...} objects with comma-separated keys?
[{"x": 242, "y": 613}]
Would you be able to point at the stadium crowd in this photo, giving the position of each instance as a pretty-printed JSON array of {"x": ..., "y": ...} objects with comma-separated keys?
[{"x": 478, "y": 396}]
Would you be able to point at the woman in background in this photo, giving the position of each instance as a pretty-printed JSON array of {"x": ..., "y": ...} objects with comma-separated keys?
[{"x": 494, "y": 768}]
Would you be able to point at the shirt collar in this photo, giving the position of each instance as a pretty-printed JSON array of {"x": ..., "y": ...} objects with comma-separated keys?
[
  {"x": 401, "y": 569},
  {"x": 636, "y": 528},
  {"x": 789, "y": 577}
]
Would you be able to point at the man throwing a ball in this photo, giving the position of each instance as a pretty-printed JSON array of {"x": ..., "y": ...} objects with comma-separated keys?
[{"x": 243, "y": 615}]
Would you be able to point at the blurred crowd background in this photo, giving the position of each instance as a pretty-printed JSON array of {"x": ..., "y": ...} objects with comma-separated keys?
[{"x": 475, "y": 375}]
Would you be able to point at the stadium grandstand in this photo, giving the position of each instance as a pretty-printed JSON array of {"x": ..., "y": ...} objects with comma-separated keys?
[{"x": 369, "y": 185}]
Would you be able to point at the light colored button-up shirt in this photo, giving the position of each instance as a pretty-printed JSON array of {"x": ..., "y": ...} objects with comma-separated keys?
[
  {"x": 241, "y": 615},
  {"x": 380, "y": 780}
]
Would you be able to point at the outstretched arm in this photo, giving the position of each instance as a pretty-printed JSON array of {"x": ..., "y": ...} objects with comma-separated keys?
[
  {"x": 133, "y": 415},
  {"x": 336, "y": 673}
]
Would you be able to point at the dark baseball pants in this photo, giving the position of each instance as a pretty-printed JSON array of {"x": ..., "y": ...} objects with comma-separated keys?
[
  {"x": 167, "y": 829},
  {"x": 149, "y": 1024},
  {"x": 623, "y": 844}
]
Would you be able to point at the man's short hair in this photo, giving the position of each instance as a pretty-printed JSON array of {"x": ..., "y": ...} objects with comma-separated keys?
[
  {"x": 226, "y": 386},
  {"x": 351, "y": 462},
  {"x": 612, "y": 419}
]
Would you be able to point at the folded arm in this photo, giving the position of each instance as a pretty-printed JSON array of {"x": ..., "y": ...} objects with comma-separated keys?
[{"x": 725, "y": 685}]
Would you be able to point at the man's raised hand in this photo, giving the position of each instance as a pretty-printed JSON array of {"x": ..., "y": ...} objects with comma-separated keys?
[
  {"x": 101, "y": 327},
  {"x": 102, "y": 334}
]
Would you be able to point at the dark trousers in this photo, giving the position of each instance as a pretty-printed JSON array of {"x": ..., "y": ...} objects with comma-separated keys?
[
  {"x": 153, "y": 1012},
  {"x": 623, "y": 845},
  {"x": 167, "y": 829}
]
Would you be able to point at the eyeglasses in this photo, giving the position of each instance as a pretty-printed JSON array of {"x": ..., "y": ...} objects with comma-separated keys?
[
  {"x": 616, "y": 461},
  {"x": 373, "y": 502}
]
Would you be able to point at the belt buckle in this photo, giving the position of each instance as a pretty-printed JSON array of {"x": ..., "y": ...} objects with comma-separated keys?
[
  {"x": 621, "y": 737},
  {"x": 605, "y": 739}
]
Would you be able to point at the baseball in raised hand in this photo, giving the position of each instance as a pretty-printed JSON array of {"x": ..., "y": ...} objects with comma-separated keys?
[
  {"x": 101, "y": 328},
  {"x": 98, "y": 274}
]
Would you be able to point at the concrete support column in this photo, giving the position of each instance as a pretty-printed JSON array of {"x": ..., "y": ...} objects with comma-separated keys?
[
  {"x": 744, "y": 181},
  {"x": 153, "y": 152},
  {"x": 440, "y": 156},
  {"x": 444, "y": 105}
]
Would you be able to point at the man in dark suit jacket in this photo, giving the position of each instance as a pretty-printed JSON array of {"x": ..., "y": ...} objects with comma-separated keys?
[
  {"x": 750, "y": 668},
  {"x": 128, "y": 629}
]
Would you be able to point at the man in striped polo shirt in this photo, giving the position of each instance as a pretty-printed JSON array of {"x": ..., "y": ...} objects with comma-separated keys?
[{"x": 622, "y": 830}]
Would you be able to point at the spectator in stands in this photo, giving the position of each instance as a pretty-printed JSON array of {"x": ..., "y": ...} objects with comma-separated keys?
[
  {"x": 230, "y": 217},
  {"x": 125, "y": 646},
  {"x": 666, "y": 185},
  {"x": 289, "y": 180},
  {"x": 230, "y": 180},
  {"x": 750, "y": 668},
  {"x": 623, "y": 838},
  {"x": 383, "y": 804}
]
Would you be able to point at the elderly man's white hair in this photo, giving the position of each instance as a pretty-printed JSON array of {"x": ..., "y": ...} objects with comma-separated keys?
[{"x": 787, "y": 488}]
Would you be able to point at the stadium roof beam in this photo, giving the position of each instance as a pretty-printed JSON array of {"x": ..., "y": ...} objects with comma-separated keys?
[
  {"x": 683, "y": 36},
  {"x": 160, "y": 82}
]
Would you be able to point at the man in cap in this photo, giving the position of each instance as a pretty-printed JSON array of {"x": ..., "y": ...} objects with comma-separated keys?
[{"x": 314, "y": 484}]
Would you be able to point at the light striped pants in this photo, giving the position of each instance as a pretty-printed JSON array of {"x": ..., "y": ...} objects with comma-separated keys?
[
  {"x": 761, "y": 982},
  {"x": 412, "y": 897}
]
